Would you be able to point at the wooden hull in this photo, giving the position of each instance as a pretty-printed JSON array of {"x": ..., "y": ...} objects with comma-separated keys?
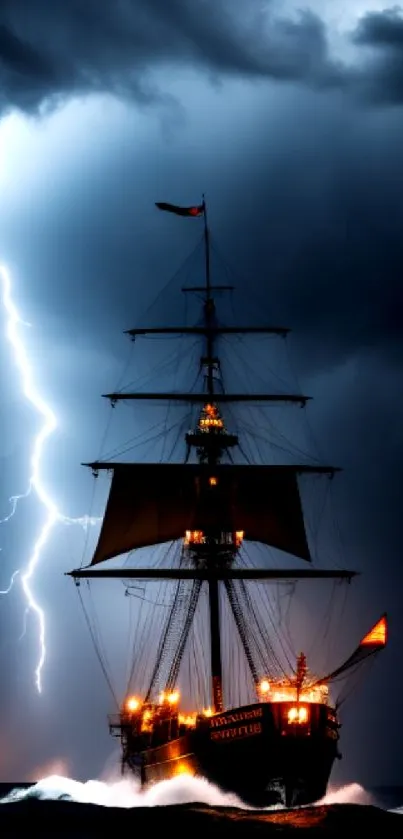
[{"x": 253, "y": 751}]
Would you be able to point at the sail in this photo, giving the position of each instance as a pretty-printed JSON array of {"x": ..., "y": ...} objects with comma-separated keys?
[{"x": 151, "y": 503}]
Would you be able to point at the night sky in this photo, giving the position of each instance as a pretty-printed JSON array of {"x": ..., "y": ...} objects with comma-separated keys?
[{"x": 291, "y": 123}]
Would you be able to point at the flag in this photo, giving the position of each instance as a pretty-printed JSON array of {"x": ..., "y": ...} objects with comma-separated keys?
[
  {"x": 374, "y": 641},
  {"x": 377, "y": 636},
  {"x": 181, "y": 211}
]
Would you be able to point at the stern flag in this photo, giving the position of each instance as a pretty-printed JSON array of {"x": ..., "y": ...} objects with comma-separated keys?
[
  {"x": 374, "y": 641},
  {"x": 377, "y": 636},
  {"x": 181, "y": 211}
]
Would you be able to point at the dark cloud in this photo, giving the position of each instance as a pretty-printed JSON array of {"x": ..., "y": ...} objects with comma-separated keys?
[
  {"x": 381, "y": 29},
  {"x": 87, "y": 46},
  {"x": 48, "y": 52},
  {"x": 20, "y": 57},
  {"x": 381, "y": 79},
  {"x": 327, "y": 214}
]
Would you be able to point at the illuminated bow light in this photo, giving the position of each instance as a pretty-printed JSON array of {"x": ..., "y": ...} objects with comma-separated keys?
[{"x": 49, "y": 425}]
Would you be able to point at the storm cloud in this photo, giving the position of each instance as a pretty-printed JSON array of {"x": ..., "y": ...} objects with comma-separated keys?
[{"x": 48, "y": 52}]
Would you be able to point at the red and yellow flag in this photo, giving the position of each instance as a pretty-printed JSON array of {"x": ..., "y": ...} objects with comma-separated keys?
[
  {"x": 378, "y": 635},
  {"x": 181, "y": 211}
]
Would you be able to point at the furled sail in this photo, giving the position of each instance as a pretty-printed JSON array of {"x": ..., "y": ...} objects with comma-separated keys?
[{"x": 151, "y": 503}]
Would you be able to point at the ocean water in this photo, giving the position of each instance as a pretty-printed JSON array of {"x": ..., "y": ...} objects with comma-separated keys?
[
  {"x": 118, "y": 792},
  {"x": 60, "y": 806}
]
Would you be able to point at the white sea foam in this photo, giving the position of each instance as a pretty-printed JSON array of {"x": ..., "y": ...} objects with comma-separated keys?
[
  {"x": 126, "y": 792},
  {"x": 348, "y": 794}
]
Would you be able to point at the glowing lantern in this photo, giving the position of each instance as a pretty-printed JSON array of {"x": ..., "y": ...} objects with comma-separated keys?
[
  {"x": 210, "y": 418},
  {"x": 303, "y": 715},
  {"x": 193, "y": 537},
  {"x": 239, "y": 534}
]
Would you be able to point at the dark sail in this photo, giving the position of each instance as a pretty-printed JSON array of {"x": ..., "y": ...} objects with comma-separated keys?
[{"x": 154, "y": 503}]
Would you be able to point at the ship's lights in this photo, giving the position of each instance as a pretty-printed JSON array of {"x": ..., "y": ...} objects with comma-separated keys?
[
  {"x": 298, "y": 715},
  {"x": 183, "y": 768},
  {"x": 239, "y": 536},
  {"x": 132, "y": 704},
  {"x": 172, "y": 698},
  {"x": 213, "y": 481},
  {"x": 277, "y": 692},
  {"x": 194, "y": 537},
  {"x": 147, "y": 721},
  {"x": 210, "y": 418},
  {"x": 211, "y": 422},
  {"x": 187, "y": 719}
]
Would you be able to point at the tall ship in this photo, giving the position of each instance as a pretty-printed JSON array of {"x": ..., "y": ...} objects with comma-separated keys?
[{"x": 213, "y": 688}]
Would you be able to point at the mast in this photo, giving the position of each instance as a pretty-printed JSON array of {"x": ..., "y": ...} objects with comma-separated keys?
[
  {"x": 213, "y": 589},
  {"x": 209, "y": 310}
]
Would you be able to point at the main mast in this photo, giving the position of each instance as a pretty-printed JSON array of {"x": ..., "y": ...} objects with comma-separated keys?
[{"x": 213, "y": 589}]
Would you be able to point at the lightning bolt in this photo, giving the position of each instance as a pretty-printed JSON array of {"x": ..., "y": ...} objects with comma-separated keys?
[{"x": 52, "y": 513}]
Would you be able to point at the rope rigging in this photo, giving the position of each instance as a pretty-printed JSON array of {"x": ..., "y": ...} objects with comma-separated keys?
[
  {"x": 241, "y": 626},
  {"x": 180, "y": 648},
  {"x": 93, "y": 635},
  {"x": 171, "y": 641}
]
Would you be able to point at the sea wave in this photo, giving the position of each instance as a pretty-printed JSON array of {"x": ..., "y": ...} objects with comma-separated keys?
[
  {"x": 185, "y": 789},
  {"x": 61, "y": 806}
]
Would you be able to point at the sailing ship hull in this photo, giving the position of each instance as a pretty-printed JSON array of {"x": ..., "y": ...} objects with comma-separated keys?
[{"x": 254, "y": 752}]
